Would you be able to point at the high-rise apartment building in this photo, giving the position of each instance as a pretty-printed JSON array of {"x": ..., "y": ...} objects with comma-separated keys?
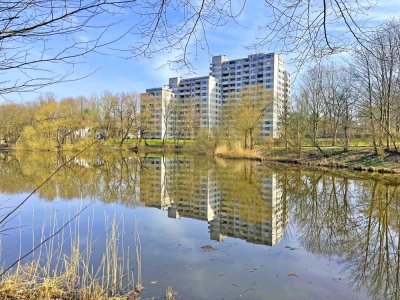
[
  {"x": 267, "y": 70},
  {"x": 200, "y": 99}
]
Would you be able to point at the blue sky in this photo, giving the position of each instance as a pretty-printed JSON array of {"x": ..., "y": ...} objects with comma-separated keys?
[{"x": 115, "y": 74}]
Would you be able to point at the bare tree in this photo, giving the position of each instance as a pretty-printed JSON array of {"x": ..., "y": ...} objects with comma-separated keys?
[
  {"x": 312, "y": 92},
  {"x": 313, "y": 29},
  {"x": 127, "y": 111},
  {"x": 38, "y": 36},
  {"x": 378, "y": 76}
]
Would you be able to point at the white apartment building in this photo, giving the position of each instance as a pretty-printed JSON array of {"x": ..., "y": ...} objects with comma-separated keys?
[
  {"x": 207, "y": 94},
  {"x": 158, "y": 110},
  {"x": 204, "y": 92},
  {"x": 171, "y": 104},
  {"x": 264, "y": 69}
]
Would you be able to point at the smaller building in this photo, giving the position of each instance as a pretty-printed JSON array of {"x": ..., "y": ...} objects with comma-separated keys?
[
  {"x": 154, "y": 105},
  {"x": 182, "y": 108}
]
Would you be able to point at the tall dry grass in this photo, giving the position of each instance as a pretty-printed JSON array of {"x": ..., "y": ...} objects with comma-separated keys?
[
  {"x": 236, "y": 152},
  {"x": 53, "y": 274}
]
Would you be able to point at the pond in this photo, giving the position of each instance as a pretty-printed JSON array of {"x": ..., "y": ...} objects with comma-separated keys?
[{"x": 209, "y": 228}]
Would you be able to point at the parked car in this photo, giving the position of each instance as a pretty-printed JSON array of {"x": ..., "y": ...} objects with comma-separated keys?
[{"x": 100, "y": 135}]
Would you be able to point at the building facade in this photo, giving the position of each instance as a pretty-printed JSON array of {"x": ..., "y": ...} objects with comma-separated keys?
[
  {"x": 267, "y": 70},
  {"x": 155, "y": 103}
]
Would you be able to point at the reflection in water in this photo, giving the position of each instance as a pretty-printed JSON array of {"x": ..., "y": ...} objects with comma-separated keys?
[
  {"x": 245, "y": 203},
  {"x": 357, "y": 221},
  {"x": 349, "y": 219}
]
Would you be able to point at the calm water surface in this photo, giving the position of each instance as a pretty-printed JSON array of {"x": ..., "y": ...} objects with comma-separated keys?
[{"x": 213, "y": 229}]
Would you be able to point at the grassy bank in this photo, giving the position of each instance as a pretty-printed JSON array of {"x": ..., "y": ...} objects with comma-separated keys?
[
  {"x": 131, "y": 145},
  {"x": 358, "y": 159}
]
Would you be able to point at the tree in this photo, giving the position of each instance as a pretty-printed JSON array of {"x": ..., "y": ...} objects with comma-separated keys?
[
  {"x": 308, "y": 28},
  {"x": 36, "y": 36},
  {"x": 284, "y": 122},
  {"x": 312, "y": 92},
  {"x": 31, "y": 33},
  {"x": 377, "y": 77},
  {"x": 127, "y": 115},
  {"x": 296, "y": 125},
  {"x": 167, "y": 109},
  {"x": 244, "y": 112},
  {"x": 13, "y": 118}
]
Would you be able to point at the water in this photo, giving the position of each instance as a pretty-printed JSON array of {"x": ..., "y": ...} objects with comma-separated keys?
[{"x": 212, "y": 229}]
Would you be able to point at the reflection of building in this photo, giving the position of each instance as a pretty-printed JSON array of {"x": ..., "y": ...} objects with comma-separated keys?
[
  {"x": 153, "y": 183},
  {"x": 197, "y": 200},
  {"x": 260, "y": 221},
  {"x": 257, "y": 216}
]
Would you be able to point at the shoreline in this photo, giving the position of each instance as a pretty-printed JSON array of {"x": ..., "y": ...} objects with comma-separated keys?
[
  {"x": 360, "y": 160},
  {"x": 357, "y": 159}
]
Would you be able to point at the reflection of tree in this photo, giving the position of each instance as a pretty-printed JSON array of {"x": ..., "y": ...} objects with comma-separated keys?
[
  {"x": 355, "y": 221},
  {"x": 377, "y": 264},
  {"x": 112, "y": 178}
]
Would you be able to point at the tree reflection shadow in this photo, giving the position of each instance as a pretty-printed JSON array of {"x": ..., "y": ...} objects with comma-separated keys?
[{"x": 353, "y": 220}]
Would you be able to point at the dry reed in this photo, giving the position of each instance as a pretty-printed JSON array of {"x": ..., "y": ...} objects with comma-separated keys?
[{"x": 54, "y": 275}]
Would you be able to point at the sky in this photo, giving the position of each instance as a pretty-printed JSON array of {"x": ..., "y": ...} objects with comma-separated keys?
[{"x": 114, "y": 74}]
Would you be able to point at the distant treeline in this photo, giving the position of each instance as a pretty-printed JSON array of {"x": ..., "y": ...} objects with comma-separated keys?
[{"x": 49, "y": 123}]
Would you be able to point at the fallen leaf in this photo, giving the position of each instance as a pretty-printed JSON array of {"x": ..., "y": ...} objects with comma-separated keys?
[{"x": 208, "y": 248}]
